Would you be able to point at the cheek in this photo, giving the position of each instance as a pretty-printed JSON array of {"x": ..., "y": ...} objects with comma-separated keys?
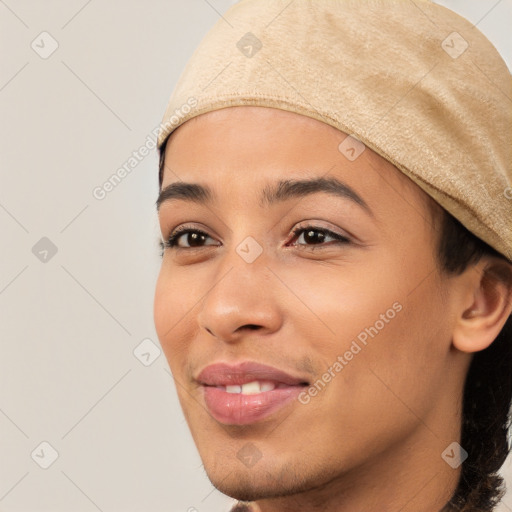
[
  {"x": 339, "y": 301},
  {"x": 384, "y": 319},
  {"x": 161, "y": 309},
  {"x": 171, "y": 309}
]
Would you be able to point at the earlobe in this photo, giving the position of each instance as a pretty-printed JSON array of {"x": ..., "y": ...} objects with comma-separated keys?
[{"x": 489, "y": 288}]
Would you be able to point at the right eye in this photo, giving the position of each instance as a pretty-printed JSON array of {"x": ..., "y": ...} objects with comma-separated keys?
[{"x": 187, "y": 238}]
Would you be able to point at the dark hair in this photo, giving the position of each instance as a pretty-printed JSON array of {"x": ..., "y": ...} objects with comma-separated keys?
[
  {"x": 487, "y": 391},
  {"x": 161, "y": 163},
  {"x": 488, "y": 387}
]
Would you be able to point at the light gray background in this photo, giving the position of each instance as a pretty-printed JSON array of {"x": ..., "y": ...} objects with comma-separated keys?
[{"x": 69, "y": 326}]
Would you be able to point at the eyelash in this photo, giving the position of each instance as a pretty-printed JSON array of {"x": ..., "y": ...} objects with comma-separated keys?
[{"x": 171, "y": 242}]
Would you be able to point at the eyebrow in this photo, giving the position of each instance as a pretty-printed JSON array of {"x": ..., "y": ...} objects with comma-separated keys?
[{"x": 281, "y": 191}]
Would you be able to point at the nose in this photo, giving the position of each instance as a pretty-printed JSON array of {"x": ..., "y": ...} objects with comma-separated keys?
[{"x": 242, "y": 299}]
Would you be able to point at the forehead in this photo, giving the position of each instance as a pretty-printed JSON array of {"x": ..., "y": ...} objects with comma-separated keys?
[
  {"x": 260, "y": 145},
  {"x": 260, "y": 127}
]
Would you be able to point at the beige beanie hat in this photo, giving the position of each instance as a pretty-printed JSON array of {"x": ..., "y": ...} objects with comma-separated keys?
[{"x": 412, "y": 80}]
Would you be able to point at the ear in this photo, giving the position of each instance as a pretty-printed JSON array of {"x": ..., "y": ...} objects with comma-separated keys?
[{"x": 486, "y": 304}]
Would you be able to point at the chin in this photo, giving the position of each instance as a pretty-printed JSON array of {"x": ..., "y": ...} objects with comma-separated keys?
[
  {"x": 252, "y": 484},
  {"x": 248, "y": 491}
]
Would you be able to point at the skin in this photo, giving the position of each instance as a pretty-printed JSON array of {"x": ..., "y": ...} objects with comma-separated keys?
[{"x": 372, "y": 439}]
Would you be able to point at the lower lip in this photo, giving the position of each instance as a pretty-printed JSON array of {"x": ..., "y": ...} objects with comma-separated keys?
[{"x": 239, "y": 409}]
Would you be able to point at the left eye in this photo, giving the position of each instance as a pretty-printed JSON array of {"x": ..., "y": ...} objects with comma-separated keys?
[{"x": 311, "y": 235}]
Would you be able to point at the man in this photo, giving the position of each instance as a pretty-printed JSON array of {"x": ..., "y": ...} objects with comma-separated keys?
[{"x": 335, "y": 294}]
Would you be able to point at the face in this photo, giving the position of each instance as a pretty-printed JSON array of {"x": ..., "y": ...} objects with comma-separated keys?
[{"x": 322, "y": 296}]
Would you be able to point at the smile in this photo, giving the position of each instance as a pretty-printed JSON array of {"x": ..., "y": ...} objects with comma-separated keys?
[{"x": 248, "y": 392}]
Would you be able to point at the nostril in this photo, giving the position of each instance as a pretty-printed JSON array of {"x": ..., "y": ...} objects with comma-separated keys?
[{"x": 252, "y": 326}]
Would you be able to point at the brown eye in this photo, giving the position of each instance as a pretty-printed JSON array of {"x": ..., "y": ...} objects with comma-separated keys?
[
  {"x": 188, "y": 238},
  {"x": 311, "y": 235}
]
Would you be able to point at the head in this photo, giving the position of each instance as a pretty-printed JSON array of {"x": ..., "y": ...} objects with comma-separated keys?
[
  {"x": 386, "y": 310},
  {"x": 332, "y": 205}
]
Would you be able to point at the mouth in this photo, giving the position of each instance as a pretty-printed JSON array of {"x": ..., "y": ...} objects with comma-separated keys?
[{"x": 247, "y": 392}]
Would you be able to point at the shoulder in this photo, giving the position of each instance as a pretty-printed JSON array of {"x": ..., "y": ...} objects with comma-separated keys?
[{"x": 244, "y": 506}]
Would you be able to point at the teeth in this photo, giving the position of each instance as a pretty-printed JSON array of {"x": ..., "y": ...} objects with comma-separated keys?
[
  {"x": 267, "y": 386},
  {"x": 251, "y": 388}
]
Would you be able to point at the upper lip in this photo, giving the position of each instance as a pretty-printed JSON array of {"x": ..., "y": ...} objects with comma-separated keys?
[{"x": 223, "y": 374}]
